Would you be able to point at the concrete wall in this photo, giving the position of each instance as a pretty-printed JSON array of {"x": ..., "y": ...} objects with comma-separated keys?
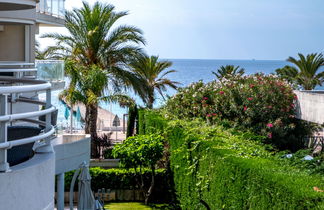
[
  {"x": 29, "y": 185},
  {"x": 11, "y": 39},
  {"x": 310, "y": 106},
  {"x": 70, "y": 152}
]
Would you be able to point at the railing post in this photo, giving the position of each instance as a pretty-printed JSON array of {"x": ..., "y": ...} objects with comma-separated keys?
[
  {"x": 4, "y": 166},
  {"x": 47, "y": 147}
]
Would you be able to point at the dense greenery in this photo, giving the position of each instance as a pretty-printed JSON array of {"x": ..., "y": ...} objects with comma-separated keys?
[
  {"x": 306, "y": 71},
  {"x": 263, "y": 104},
  {"x": 127, "y": 179},
  {"x": 226, "y": 169},
  {"x": 139, "y": 152}
]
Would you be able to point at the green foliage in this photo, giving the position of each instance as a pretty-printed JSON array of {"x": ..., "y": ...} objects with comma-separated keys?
[
  {"x": 152, "y": 74},
  {"x": 126, "y": 179},
  {"x": 262, "y": 104},
  {"x": 140, "y": 151},
  {"x": 150, "y": 121},
  {"x": 315, "y": 166},
  {"x": 305, "y": 72},
  {"x": 232, "y": 170},
  {"x": 141, "y": 121},
  {"x": 108, "y": 154},
  {"x": 229, "y": 72}
]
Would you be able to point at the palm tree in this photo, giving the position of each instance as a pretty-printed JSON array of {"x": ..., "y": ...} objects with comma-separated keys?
[
  {"x": 229, "y": 71},
  {"x": 305, "y": 73},
  {"x": 95, "y": 40},
  {"x": 152, "y": 73},
  {"x": 89, "y": 86},
  {"x": 49, "y": 53}
]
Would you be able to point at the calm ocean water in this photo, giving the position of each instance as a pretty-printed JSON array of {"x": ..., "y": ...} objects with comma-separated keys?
[{"x": 189, "y": 71}]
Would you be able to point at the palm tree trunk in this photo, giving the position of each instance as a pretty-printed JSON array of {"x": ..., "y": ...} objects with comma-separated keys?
[
  {"x": 92, "y": 117},
  {"x": 87, "y": 121},
  {"x": 151, "y": 99}
]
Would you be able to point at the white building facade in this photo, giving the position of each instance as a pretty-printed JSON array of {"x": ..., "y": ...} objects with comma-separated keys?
[{"x": 31, "y": 155}]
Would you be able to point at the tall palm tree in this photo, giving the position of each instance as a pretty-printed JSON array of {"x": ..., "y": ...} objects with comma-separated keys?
[
  {"x": 88, "y": 85},
  {"x": 95, "y": 40},
  {"x": 152, "y": 73},
  {"x": 306, "y": 70},
  {"x": 229, "y": 71}
]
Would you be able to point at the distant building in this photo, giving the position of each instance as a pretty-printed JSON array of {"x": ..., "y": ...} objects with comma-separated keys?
[{"x": 30, "y": 152}]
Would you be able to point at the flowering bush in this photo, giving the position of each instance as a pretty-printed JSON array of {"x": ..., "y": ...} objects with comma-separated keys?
[{"x": 261, "y": 103}]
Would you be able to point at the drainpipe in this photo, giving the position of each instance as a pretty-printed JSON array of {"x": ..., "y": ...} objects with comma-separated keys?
[{"x": 60, "y": 191}]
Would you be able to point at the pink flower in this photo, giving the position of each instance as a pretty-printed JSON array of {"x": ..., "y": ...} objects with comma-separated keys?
[
  {"x": 250, "y": 98},
  {"x": 205, "y": 98},
  {"x": 270, "y": 135},
  {"x": 251, "y": 86},
  {"x": 208, "y": 115},
  {"x": 269, "y": 107},
  {"x": 214, "y": 114},
  {"x": 245, "y": 108},
  {"x": 269, "y": 125},
  {"x": 295, "y": 97},
  {"x": 221, "y": 92}
]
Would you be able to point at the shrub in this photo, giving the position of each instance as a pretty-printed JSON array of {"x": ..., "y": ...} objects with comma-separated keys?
[
  {"x": 141, "y": 151},
  {"x": 262, "y": 104},
  {"x": 119, "y": 179},
  {"x": 232, "y": 170}
]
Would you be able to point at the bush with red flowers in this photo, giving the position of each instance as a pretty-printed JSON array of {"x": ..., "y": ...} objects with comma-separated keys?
[{"x": 260, "y": 103}]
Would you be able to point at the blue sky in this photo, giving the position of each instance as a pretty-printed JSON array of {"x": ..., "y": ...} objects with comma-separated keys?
[{"x": 224, "y": 29}]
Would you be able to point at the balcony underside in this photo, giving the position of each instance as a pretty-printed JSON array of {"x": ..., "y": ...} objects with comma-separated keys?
[{"x": 8, "y": 6}]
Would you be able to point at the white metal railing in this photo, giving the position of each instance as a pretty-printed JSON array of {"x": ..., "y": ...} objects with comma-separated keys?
[
  {"x": 54, "y": 8},
  {"x": 12, "y": 90}
]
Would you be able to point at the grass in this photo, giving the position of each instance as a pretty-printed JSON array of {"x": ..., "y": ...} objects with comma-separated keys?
[{"x": 127, "y": 206}]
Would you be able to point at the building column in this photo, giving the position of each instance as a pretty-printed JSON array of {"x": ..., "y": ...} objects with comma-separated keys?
[{"x": 60, "y": 191}]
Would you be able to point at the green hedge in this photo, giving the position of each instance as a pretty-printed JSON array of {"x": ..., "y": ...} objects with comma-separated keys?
[
  {"x": 118, "y": 179},
  {"x": 231, "y": 170},
  {"x": 150, "y": 122}
]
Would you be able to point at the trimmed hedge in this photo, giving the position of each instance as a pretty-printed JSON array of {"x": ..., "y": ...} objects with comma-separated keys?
[
  {"x": 119, "y": 179},
  {"x": 149, "y": 121},
  {"x": 231, "y": 170}
]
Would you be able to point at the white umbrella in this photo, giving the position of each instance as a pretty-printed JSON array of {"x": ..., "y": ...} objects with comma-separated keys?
[{"x": 86, "y": 198}]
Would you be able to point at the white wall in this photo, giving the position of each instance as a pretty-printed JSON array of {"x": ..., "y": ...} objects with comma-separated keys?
[
  {"x": 310, "y": 106},
  {"x": 29, "y": 185}
]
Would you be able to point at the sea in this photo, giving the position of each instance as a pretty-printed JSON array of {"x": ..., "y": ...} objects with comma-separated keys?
[{"x": 187, "y": 72}]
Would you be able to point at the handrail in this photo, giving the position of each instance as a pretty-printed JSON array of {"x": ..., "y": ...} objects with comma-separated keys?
[
  {"x": 10, "y": 118},
  {"x": 10, "y": 144},
  {"x": 18, "y": 70},
  {"x": 17, "y": 86},
  {"x": 15, "y": 64},
  {"x": 37, "y": 85}
]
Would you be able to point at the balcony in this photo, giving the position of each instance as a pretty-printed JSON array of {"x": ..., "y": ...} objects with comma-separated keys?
[
  {"x": 50, "y": 12},
  {"x": 51, "y": 7},
  {"x": 53, "y": 71},
  {"x": 30, "y": 152},
  {"x": 7, "y": 5}
]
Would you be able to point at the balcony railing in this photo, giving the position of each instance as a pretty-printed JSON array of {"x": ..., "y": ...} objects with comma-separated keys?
[
  {"x": 51, "y": 7},
  {"x": 10, "y": 92},
  {"x": 51, "y": 70}
]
